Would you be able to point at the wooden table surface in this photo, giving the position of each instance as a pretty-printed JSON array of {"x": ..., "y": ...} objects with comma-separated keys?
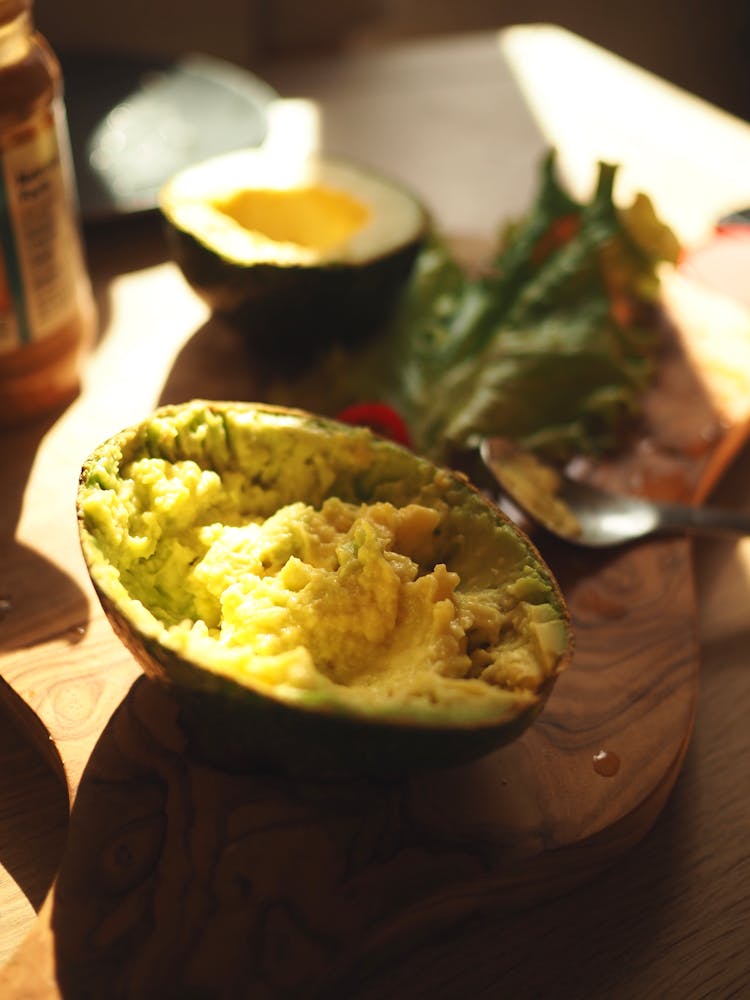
[{"x": 464, "y": 122}]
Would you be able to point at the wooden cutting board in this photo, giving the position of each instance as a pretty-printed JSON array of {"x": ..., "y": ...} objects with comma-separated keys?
[{"x": 180, "y": 880}]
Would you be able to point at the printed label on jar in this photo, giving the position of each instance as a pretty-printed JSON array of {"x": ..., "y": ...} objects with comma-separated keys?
[{"x": 39, "y": 252}]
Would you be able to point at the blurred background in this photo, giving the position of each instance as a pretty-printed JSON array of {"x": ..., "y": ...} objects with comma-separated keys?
[{"x": 700, "y": 46}]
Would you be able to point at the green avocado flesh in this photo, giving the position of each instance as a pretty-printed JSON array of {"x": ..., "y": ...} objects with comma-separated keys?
[{"x": 257, "y": 550}]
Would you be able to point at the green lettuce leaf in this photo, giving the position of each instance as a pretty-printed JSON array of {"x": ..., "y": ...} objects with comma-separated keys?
[{"x": 532, "y": 351}]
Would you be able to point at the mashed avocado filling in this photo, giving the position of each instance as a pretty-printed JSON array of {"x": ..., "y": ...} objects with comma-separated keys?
[{"x": 342, "y": 603}]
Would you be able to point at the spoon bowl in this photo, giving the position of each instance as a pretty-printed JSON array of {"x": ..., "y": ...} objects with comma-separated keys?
[{"x": 589, "y": 516}]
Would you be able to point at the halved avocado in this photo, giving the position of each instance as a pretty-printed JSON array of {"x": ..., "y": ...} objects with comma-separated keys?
[
  {"x": 305, "y": 253},
  {"x": 317, "y": 598}
]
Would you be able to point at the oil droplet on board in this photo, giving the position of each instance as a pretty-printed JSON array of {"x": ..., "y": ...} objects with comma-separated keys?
[
  {"x": 606, "y": 763},
  {"x": 6, "y": 605}
]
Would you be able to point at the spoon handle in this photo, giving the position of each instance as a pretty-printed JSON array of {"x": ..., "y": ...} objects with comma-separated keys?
[{"x": 703, "y": 520}]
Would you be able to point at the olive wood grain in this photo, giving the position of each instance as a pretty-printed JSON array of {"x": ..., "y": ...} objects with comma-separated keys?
[{"x": 179, "y": 880}]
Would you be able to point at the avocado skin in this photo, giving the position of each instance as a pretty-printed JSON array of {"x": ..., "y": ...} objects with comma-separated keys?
[
  {"x": 231, "y": 727},
  {"x": 218, "y": 732},
  {"x": 306, "y": 308}
]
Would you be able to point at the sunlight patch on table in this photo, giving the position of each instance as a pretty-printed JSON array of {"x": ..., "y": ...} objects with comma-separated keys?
[
  {"x": 293, "y": 135},
  {"x": 690, "y": 157}
]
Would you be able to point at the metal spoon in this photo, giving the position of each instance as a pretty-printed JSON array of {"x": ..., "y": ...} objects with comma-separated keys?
[{"x": 586, "y": 515}]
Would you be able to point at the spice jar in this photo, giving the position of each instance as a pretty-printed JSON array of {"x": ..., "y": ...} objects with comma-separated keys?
[{"x": 47, "y": 316}]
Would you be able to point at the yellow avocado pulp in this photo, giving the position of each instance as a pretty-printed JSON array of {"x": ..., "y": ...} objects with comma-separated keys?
[
  {"x": 316, "y": 218},
  {"x": 343, "y": 601}
]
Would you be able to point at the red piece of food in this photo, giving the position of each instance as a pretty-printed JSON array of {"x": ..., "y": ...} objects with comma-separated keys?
[{"x": 380, "y": 418}]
